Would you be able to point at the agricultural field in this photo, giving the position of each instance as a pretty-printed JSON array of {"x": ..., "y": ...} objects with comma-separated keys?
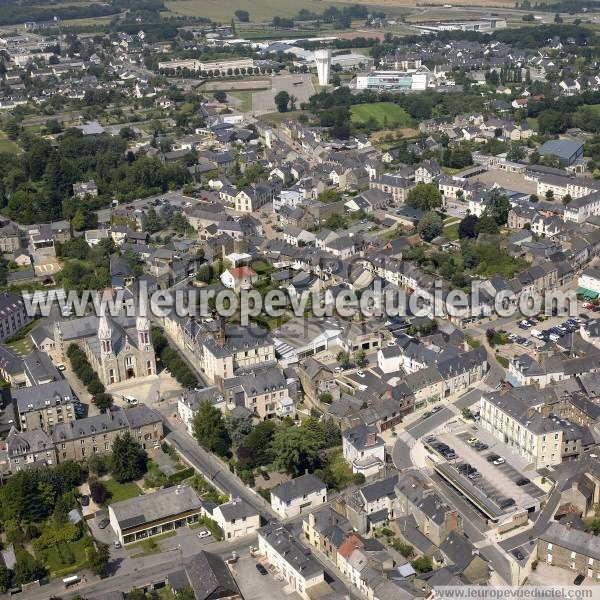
[
  {"x": 260, "y": 10},
  {"x": 385, "y": 114}
]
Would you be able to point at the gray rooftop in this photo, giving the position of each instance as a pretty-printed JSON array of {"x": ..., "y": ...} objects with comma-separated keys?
[
  {"x": 297, "y": 488},
  {"x": 153, "y": 507}
]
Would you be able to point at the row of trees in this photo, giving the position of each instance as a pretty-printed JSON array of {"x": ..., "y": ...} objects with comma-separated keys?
[
  {"x": 172, "y": 360},
  {"x": 83, "y": 369}
]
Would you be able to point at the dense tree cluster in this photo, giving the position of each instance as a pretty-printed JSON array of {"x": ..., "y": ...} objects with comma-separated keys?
[
  {"x": 129, "y": 460},
  {"x": 37, "y": 185}
]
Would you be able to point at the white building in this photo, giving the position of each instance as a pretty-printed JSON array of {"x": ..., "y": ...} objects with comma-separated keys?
[
  {"x": 589, "y": 280},
  {"x": 381, "y": 80},
  {"x": 364, "y": 450},
  {"x": 293, "y": 562},
  {"x": 298, "y": 496},
  {"x": 236, "y": 518},
  {"x": 323, "y": 62}
]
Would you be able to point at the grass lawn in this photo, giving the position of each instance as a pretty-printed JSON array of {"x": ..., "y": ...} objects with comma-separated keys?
[
  {"x": 7, "y": 145},
  {"x": 533, "y": 123},
  {"x": 385, "y": 114},
  {"x": 55, "y": 558},
  {"x": 451, "y": 231},
  {"x": 277, "y": 118},
  {"x": 120, "y": 491},
  {"x": 245, "y": 98}
]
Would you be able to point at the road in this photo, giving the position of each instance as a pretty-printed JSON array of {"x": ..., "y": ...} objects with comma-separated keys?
[
  {"x": 541, "y": 522},
  {"x": 217, "y": 473},
  {"x": 424, "y": 426}
]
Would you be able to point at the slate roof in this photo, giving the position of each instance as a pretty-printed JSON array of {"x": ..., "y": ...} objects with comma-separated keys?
[{"x": 297, "y": 488}]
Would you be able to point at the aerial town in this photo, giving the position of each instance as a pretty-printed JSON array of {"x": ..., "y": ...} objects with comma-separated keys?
[{"x": 299, "y": 301}]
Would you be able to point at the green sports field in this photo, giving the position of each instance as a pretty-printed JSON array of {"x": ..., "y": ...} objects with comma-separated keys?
[{"x": 385, "y": 114}]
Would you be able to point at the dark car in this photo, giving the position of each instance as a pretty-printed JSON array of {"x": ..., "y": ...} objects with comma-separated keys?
[
  {"x": 522, "y": 481},
  {"x": 480, "y": 446},
  {"x": 261, "y": 569},
  {"x": 103, "y": 524},
  {"x": 518, "y": 555},
  {"x": 84, "y": 500},
  {"x": 579, "y": 579},
  {"x": 427, "y": 415},
  {"x": 492, "y": 457}
]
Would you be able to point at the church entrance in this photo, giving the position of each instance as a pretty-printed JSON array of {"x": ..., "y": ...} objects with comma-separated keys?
[{"x": 130, "y": 373}]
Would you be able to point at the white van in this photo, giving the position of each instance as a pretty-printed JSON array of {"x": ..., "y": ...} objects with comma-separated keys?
[
  {"x": 131, "y": 400},
  {"x": 537, "y": 333}
]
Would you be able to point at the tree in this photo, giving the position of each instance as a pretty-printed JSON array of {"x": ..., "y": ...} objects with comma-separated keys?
[
  {"x": 256, "y": 449},
  {"x": 238, "y": 429},
  {"x": 498, "y": 208},
  {"x": 295, "y": 449},
  {"x": 467, "y": 228},
  {"x": 534, "y": 198},
  {"x": 210, "y": 430},
  {"x": 98, "y": 559},
  {"x": 549, "y": 195},
  {"x": 5, "y": 579},
  {"x": 242, "y": 15},
  {"x": 97, "y": 492},
  {"x": 487, "y": 224},
  {"x": 425, "y": 196},
  {"x": 566, "y": 199},
  {"x": 27, "y": 568},
  {"x": 282, "y": 100},
  {"x": 430, "y": 226},
  {"x": 360, "y": 358},
  {"x": 422, "y": 564},
  {"x": 343, "y": 359},
  {"x": 220, "y": 96},
  {"x": 129, "y": 460}
]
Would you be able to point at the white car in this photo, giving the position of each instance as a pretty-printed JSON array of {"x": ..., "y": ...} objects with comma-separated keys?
[
  {"x": 203, "y": 533},
  {"x": 117, "y": 544},
  {"x": 338, "y": 370},
  {"x": 499, "y": 461},
  {"x": 360, "y": 373},
  {"x": 60, "y": 367}
]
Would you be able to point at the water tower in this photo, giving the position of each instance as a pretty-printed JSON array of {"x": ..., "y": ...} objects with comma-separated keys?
[{"x": 323, "y": 61}]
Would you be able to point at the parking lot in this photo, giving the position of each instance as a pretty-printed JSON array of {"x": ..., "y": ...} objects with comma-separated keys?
[
  {"x": 255, "y": 586},
  {"x": 486, "y": 471},
  {"x": 551, "y": 329}
]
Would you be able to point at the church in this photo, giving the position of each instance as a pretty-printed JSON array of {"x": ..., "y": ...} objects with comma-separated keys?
[{"x": 118, "y": 349}]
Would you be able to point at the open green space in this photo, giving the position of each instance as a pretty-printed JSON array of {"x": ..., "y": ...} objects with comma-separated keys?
[
  {"x": 64, "y": 558},
  {"x": 116, "y": 492},
  {"x": 385, "y": 114},
  {"x": 7, "y": 145}
]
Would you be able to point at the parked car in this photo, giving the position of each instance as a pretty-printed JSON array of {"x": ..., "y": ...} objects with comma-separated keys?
[
  {"x": 499, "y": 461},
  {"x": 492, "y": 457},
  {"x": 360, "y": 373},
  {"x": 480, "y": 446},
  {"x": 474, "y": 475},
  {"x": 103, "y": 524},
  {"x": 261, "y": 569},
  {"x": 522, "y": 481},
  {"x": 472, "y": 440},
  {"x": 430, "y": 439},
  {"x": 338, "y": 370},
  {"x": 203, "y": 533},
  {"x": 117, "y": 544},
  {"x": 518, "y": 554},
  {"x": 84, "y": 500},
  {"x": 427, "y": 414},
  {"x": 579, "y": 579}
]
